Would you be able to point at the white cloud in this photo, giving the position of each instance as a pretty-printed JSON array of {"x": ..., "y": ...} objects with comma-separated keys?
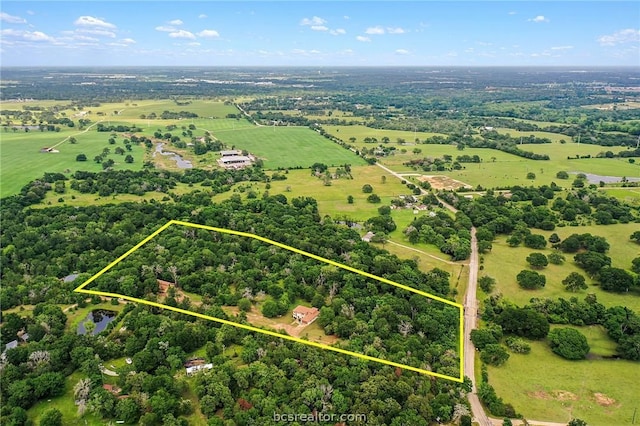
[
  {"x": 26, "y": 35},
  {"x": 182, "y": 34},
  {"x": 375, "y": 30},
  {"x": 402, "y": 52},
  {"x": 128, "y": 41},
  {"x": 396, "y": 30},
  {"x": 538, "y": 19},
  {"x": 319, "y": 28},
  {"x": 313, "y": 21},
  {"x": 346, "y": 17},
  {"x": 363, "y": 38},
  {"x": 103, "y": 33},
  {"x": 176, "y": 22},
  {"x": 5, "y": 17},
  {"x": 90, "y": 21},
  {"x": 84, "y": 38},
  {"x": 561, "y": 47},
  {"x": 30, "y": 12},
  {"x": 37, "y": 36},
  {"x": 194, "y": 43},
  {"x": 202, "y": 16},
  {"x": 166, "y": 28},
  {"x": 208, "y": 33},
  {"x": 338, "y": 31},
  {"x": 628, "y": 35},
  {"x": 513, "y": 13}
]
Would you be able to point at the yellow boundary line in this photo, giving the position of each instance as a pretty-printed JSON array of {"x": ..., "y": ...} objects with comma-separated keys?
[{"x": 460, "y": 379}]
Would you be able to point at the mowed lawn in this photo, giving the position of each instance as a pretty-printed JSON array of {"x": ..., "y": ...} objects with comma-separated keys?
[
  {"x": 622, "y": 251},
  {"x": 546, "y": 387},
  {"x": 21, "y": 161},
  {"x": 283, "y": 147}
]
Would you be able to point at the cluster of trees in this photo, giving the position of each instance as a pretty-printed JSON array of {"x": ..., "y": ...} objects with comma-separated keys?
[
  {"x": 622, "y": 324},
  {"x": 591, "y": 257},
  {"x": 450, "y": 234},
  {"x": 100, "y": 127},
  {"x": 443, "y": 163},
  {"x": 170, "y": 115}
]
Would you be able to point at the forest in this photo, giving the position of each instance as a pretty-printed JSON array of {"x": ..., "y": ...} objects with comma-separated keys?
[{"x": 42, "y": 247}]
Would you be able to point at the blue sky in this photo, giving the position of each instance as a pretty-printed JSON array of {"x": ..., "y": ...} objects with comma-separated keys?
[{"x": 306, "y": 33}]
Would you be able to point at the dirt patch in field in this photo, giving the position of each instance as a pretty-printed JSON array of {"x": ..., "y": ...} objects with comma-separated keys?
[
  {"x": 604, "y": 400},
  {"x": 539, "y": 395},
  {"x": 293, "y": 329},
  {"x": 564, "y": 395},
  {"x": 443, "y": 182}
]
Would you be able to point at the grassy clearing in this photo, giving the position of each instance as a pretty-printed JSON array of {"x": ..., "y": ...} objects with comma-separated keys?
[
  {"x": 332, "y": 200},
  {"x": 622, "y": 252},
  {"x": 65, "y": 403},
  {"x": 22, "y": 162},
  {"x": 554, "y": 137},
  {"x": 628, "y": 195},
  {"x": 543, "y": 386},
  {"x": 600, "y": 344},
  {"x": 282, "y": 147},
  {"x": 361, "y": 132},
  {"x": 534, "y": 122}
]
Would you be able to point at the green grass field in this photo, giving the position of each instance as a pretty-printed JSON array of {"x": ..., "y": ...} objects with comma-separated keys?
[
  {"x": 282, "y": 147},
  {"x": 622, "y": 252},
  {"x": 21, "y": 161},
  {"x": 361, "y": 132},
  {"x": 543, "y": 386}
]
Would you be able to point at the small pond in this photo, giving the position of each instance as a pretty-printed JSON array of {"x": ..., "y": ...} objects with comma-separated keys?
[
  {"x": 180, "y": 162},
  {"x": 101, "y": 318}
]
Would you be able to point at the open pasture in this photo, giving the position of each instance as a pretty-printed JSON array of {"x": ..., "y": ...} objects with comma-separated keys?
[
  {"x": 544, "y": 386},
  {"x": 22, "y": 160},
  {"x": 622, "y": 251},
  {"x": 360, "y": 132},
  {"x": 282, "y": 147}
]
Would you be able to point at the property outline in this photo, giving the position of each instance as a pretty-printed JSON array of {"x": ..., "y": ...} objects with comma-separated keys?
[{"x": 460, "y": 379}]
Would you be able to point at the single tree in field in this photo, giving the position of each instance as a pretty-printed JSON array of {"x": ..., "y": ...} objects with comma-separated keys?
[
  {"x": 556, "y": 258},
  {"x": 577, "y": 422},
  {"x": 350, "y": 199},
  {"x": 487, "y": 283},
  {"x": 537, "y": 260},
  {"x": 635, "y": 237},
  {"x": 494, "y": 354},
  {"x": 531, "y": 280},
  {"x": 574, "y": 282},
  {"x": 569, "y": 343},
  {"x": 367, "y": 189},
  {"x": 531, "y": 175}
]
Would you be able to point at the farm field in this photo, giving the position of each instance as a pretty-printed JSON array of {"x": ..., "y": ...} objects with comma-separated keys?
[
  {"x": 22, "y": 162},
  {"x": 544, "y": 386},
  {"x": 361, "y": 132},
  {"x": 622, "y": 252},
  {"x": 284, "y": 147},
  {"x": 629, "y": 195},
  {"x": 554, "y": 137},
  {"x": 332, "y": 200}
]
